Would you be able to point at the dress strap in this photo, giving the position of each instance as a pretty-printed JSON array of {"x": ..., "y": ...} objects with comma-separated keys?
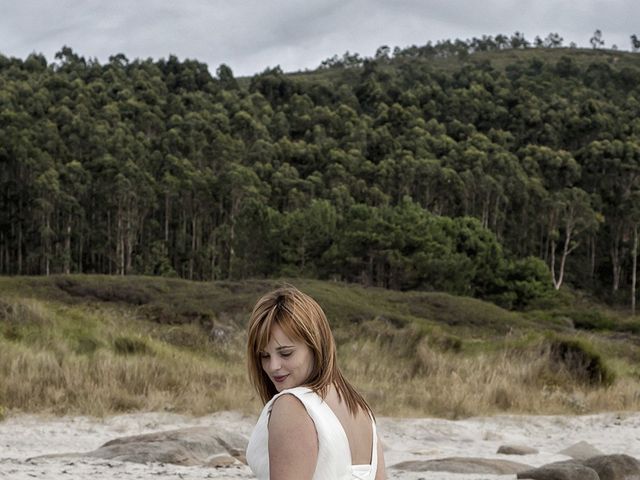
[
  {"x": 298, "y": 392},
  {"x": 374, "y": 450}
]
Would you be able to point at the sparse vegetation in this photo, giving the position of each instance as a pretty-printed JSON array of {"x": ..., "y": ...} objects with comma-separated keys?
[{"x": 412, "y": 354}]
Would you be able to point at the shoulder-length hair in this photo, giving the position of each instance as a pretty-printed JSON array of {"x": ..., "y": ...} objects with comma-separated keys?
[{"x": 301, "y": 318}]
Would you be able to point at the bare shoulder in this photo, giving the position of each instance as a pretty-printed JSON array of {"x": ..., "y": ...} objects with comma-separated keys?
[
  {"x": 286, "y": 398},
  {"x": 289, "y": 418},
  {"x": 293, "y": 441},
  {"x": 288, "y": 409}
]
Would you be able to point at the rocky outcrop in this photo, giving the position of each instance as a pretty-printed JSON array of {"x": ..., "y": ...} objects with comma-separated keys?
[
  {"x": 581, "y": 451},
  {"x": 615, "y": 467},
  {"x": 603, "y": 467},
  {"x": 189, "y": 446},
  {"x": 516, "y": 450},
  {"x": 588, "y": 463},
  {"x": 467, "y": 465},
  {"x": 569, "y": 470}
]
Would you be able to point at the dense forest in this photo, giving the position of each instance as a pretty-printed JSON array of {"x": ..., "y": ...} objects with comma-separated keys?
[{"x": 494, "y": 167}]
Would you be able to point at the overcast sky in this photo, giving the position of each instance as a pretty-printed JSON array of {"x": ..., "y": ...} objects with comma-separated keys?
[{"x": 250, "y": 35}]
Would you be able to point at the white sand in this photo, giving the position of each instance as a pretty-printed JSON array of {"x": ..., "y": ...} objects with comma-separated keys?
[{"x": 26, "y": 436}]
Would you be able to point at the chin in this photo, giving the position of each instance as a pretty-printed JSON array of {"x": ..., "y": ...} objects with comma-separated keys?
[
  {"x": 285, "y": 385},
  {"x": 280, "y": 386}
]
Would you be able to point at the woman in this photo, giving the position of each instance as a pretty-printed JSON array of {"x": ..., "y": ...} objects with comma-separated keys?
[{"x": 314, "y": 425}]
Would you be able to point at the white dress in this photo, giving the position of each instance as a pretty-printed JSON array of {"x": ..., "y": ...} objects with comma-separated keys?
[{"x": 334, "y": 454}]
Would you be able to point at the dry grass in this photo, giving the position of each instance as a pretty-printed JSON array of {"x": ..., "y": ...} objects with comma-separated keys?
[
  {"x": 63, "y": 360},
  {"x": 454, "y": 385},
  {"x": 96, "y": 357},
  {"x": 522, "y": 374}
]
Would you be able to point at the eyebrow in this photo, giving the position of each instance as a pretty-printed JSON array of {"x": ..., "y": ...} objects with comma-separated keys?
[{"x": 282, "y": 347}]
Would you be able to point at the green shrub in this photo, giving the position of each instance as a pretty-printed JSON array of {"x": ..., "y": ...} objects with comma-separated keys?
[
  {"x": 631, "y": 327},
  {"x": 525, "y": 281},
  {"x": 590, "y": 320},
  {"x": 580, "y": 361}
]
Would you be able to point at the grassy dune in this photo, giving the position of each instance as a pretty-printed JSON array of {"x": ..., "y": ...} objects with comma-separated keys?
[{"x": 98, "y": 345}]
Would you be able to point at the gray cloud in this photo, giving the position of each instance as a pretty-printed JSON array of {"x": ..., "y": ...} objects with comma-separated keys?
[{"x": 250, "y": 35}]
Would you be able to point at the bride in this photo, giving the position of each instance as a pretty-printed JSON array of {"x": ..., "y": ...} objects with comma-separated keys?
[{"x": 314, "y": 425}]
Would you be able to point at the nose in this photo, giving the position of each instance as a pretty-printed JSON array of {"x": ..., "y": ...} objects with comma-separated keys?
[{"x": 273, "y": 364}]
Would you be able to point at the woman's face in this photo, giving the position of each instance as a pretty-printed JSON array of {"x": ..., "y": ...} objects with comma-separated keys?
[{"x": 287, "y": 362}]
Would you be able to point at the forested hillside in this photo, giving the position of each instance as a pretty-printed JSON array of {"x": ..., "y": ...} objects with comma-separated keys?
[{"x": 499, "y": 172}]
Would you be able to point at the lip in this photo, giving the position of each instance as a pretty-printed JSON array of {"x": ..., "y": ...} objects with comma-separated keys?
[{"x": 280, "y": 379}]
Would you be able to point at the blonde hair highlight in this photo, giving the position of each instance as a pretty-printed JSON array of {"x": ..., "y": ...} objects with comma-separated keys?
[{"x": 301, "y": 318}]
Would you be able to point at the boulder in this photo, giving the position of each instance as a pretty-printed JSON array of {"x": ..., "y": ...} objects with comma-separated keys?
[
  {"x": 615, "y": 467},
  {"x": 466, "y": 465},
  {"x": 568, "y": 470},
  {"x": 222, "y": 460},
  {"x": 188, "y": 446},
  {"x": 517, "y": 450},
  {"x": 581, "y": 451}
]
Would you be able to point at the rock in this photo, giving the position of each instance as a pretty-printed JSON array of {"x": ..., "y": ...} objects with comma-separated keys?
[
  {"x": 568, "y": 470},
  {"x": 467, "y": 465},
  {"x": 188, "y": 446},
  {"x": 615, "y": 467},
  {"x": 222, "y": 460},
  {"x": 242, "y": 458},
  {"x": 581, "y": 451},
  {"x": 493, "y": 436},
  {"x": 162, "y": 452},
  {"x": 517, "y": 450},
  {"x": 602, "y": 467}
]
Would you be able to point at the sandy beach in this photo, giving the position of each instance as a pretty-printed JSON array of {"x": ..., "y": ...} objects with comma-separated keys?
[{"x": 23, "y": 437}]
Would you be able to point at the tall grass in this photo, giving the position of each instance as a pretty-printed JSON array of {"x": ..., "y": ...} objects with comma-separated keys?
[
  {"x": 410, "y": 354},
  {"x": 72, "y": 360},
  {"x": 454, "y": 384}
]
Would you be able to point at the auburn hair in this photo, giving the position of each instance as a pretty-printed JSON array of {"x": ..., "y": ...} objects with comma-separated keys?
[{"x": 302, "y": 319}]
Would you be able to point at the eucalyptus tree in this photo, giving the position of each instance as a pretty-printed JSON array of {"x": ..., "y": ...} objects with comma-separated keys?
[
  {"x": 308, "y": 233},
  {"x": 74, "y": 182},
  {"x": 571, "y": 218},
  {"x": 612, "y": 170},
  {"x": 241, "y": 186}
]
